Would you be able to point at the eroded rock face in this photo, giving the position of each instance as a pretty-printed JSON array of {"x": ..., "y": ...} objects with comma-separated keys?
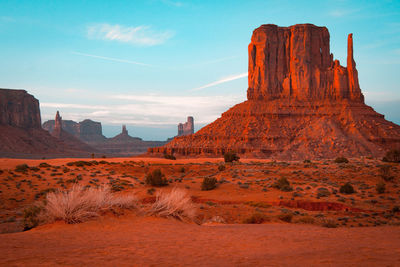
[
  {"x": 21, "y": 134},
  {"x": 19, "y": 109},
  {"x": 295, "y": 62},
  {"x": 301, "y": 104},
  {"x": 186, "y": 128}
]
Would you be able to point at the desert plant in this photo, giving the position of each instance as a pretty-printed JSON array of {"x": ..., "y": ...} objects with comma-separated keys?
[
  {"x": 392, "y": 156},
  {"x": 156, "y": 178},
  {"x": 22, "y": 168},
  {"x": 175, "y": 204},
  {"x": 282, "y": 184},
  {"x": 209, "y": 183},
  {"x": 32, "y": 216},
  {"x": 256, "y": 218},
  {"x": 286, "y": 217},
  {"x": 386, "y": 172},
  {"x": 169, "y": 156},
  {"x": 231, "y": 156},
  {"x": 329, "y": 223},
  {"x": 380, "y": 188},
  {"x": 341, "y": 160},
  {"x": 221, "y": 167},
  {"x": 80, "y": 204},
  {"x": 347, "y": 188},
  {"x": 44, "y": 165}
]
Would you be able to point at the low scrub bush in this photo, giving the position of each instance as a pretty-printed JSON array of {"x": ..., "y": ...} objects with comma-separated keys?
[
  {"x": 209, "y": 183},
  {"x": 231, "y": 156},
  {"x": 282, "y": 184},
  {"x": 347, "y": 188},
  {"x": 156, "y": 178},
  {"x": 175, "y": 204},
  {"x": 386, "y": 173},
  {"x": 286, "y": 217},
  {"x": 392, "y": 156},
  {"x": 341, "y": 160},
  {"x": 44, "y": 165},
  {"x": 380, "y": 188},
  {"x": 32, "y": 216},
  {"x": 169, "y": 156},
  {"x": 256, "y": 218},
  {"x": 221, "y": 167},
  {"x": 79, "y": 163},
  {"x": 329, "y": 223},
  {"x": 22, "y": 168}
]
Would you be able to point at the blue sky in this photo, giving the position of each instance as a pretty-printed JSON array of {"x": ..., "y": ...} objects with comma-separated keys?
[{"x": 150, "y": 64}]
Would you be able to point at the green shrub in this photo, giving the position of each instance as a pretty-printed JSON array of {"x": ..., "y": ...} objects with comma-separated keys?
[
  {"x": 341, "y": 160},
  {"x": 169, "y": 156},
  {"x": 156, "y": 178},
  {"x": 31, "y": 217},
  {"x": 380, "y": 188},
  {"x": 286, "y": 217},
  {"x": 21, "y": 168},
  {"x": 392, "y": 156},
  {"x": 282, "y": 184},
  {"x": 256, "y": 218},
  {"x": 231, "y": 156},
  {"x": 323, "y": 192},
  {"x": 209, "y": 183},
  {"x": 221, "y": 167},
  {"x": 347, "y": 188}
]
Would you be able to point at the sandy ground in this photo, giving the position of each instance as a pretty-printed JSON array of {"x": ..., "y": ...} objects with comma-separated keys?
[
  {"x": 135, "y": 241},
  {"x": 367, "y": 232}
]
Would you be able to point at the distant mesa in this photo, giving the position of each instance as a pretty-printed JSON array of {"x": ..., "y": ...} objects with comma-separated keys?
[
  {"x": 21, "y": 134},
  {"x": 186, "y": 128},
  {"x": 90, "y": 133},
  {"x": 301, "y": 104}
]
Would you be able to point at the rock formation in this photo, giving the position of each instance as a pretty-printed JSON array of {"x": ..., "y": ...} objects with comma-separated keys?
[
  {"x": 301, "y": 104},
  {"x": 86, "y": 130},
  {"x": 186, "y": 128},
  {"x": 21, "y": 134},
  {"x": 68, "y": 138}
]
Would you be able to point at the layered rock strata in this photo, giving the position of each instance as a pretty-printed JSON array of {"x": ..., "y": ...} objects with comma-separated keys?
[{"x": 301, "y": 104}]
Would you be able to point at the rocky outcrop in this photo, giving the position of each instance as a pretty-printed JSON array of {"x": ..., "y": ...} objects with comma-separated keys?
[
  {"x": 19, "y": 109},
  {"x": 186, "y": 128},
  {"x": 295, "y": 62},
  {"x": 125, "y": 145},
  {"x": 86, "y": 130},
  {"x": 301, "y": 104},
  {"x": 21, "y": 134}
]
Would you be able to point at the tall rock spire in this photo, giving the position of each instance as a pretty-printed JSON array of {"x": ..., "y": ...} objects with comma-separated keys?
[
  {"x": 58, "y": 121},
  {"x": 354, "y": 87}
]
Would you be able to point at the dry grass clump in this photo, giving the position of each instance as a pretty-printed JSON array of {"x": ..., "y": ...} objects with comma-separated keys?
[
  {"x": 79, "y": 204},
  {"x": 175, "y": 204},
  {"x": 256, "y": 218}
]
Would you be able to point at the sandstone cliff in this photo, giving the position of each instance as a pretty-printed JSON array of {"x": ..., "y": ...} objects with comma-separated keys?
[
  {"x": 21, "y": 134},
  {"x": 301, "y": 104},
  {"x": 186, "y": 128}
]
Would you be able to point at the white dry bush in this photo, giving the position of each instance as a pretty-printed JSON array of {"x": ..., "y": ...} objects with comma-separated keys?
[
  {"x": 176, "y": 204},
  {"x": 79, "y": 204}
]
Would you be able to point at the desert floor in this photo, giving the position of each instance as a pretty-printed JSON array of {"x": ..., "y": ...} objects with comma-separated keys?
[{"x": 365, "y": 223}]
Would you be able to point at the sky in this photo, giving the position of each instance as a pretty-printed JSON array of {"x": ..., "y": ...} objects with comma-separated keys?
[{"x": 149, "y": 64}]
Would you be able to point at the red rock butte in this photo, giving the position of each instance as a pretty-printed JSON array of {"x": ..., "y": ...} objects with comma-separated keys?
[{"x": 302, "y": 104}]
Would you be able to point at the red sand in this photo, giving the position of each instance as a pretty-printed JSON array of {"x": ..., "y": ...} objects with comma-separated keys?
[{"x": 137, "y": 241}]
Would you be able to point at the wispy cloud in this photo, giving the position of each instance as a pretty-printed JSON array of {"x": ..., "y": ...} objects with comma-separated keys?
[
  {"x": 140, "y": 35},
  {"x": 111, "y": 59},
  {"x": 222, "y": 80},
  {"x": 146, "y": 109}
]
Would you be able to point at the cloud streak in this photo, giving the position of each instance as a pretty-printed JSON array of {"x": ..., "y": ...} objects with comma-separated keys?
[
  {"x": 111, "y": 59},
  {"x": 145, "y": 109},
  {"x": 222, "y": 80},
  {"x": 140, "y": 35}
]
